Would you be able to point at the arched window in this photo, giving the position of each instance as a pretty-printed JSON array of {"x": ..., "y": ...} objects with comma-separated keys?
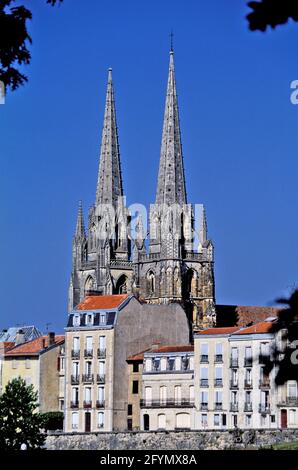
[
  {"x": 89, "y": 285},
  {"x": 161, "y": 421},
  {"x": 121, "y": 285},
  {"x": 182, "y": 421},
  {"x": 151, "y": 282},
  {"x": 191, "y": 282}
]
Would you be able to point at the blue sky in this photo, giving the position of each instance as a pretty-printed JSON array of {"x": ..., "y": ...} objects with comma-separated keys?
[{"x": 239, "y": 134}]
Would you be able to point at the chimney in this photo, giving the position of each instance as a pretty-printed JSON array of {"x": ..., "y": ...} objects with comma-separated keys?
[
  {"x": 51, "y": 338},
  {"x": 20, "y": 337}
]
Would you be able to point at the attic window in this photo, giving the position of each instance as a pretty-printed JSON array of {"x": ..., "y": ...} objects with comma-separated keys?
[
  {"x": 76, "y": 320},
  {"x": 89, "y": 319},
  {"x": 102, "y": 318}
]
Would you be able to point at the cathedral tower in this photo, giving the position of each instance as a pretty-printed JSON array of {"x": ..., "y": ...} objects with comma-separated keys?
[{"x": 101, "y": 260}]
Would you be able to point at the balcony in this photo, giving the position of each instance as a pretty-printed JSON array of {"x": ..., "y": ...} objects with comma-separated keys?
[
  {"x": 101, "y": 353},
  {"x": 100, "y": 378},
  {"x": 248, "y": 407},
  {"x": 87, "y": 378},
  {"x": 218, "y": 358},
  {"x": 247, "y": 384},
  {"x": 218, "y": 406},
  {"x": 264, "y": 408},
  {"x": 75, "y": 380},
  {"x": 264, "y": 383},
  {"x": 204, "y": 406},
  {"x": 75, "y": 354},
  {"x": 167, "y": 403},
  {"x": 234, "y": 407},
  {"x": 234, "y": 362},
  {"x": 248, "y": 362},
  {"x": 87, "y": 404},
  {"x": 288, "y": 401},
  {"x": 74, "y": 404},
  {"x": 88, "y": 353},
  {"x": 204, "y": 359},
  {"x": 100, "y": 404},
  {"x": 234, "y": 384},
  {"x": 204, "y": 383},
  {"x": 217, "y": 382}
]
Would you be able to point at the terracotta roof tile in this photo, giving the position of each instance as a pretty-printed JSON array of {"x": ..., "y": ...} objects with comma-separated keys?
[
  {"x": 101, "y": 302},
  {"x": 219, "y": 331},
  {"x": 258, "y": 328},
  {"x": 243, "y": 315},
  {"x": 34, "y": 347}
]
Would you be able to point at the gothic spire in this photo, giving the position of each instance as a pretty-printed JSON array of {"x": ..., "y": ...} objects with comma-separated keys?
[
  {"x": 109, "y": 183},
  {"x": 171, "y": 181},
  {"x": 80, "y": 227}
]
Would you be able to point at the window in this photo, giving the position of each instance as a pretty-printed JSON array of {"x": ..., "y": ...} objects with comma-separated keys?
[
  {"x": 75, "y": 420},
  {"x": 163, "y": 395},
  {"x": 102, "y": 318},
  {"x": 100, "y": 420},
  {"x": 204, "y": 376},
  {"x": 177, "y": 393},
  {"x": 191, "y": 393},
  {"x": 148, "y": 395},
  {"x": 292, "y": 390},
  {"x": 89, "y": 319},
  {"x": 62, "y": 364},
  {"x": 28, "y": 364},
  {"x": 148, "y": 365},
  {"x": 87, "y": 394},
  {"x": 224, "y": 419},
  {"x": 272, "y": 418},
  {"x": 204, "y": 352},
  {"x": 135, "y": 386},
  {"x": 129, "y": 424},
  {"x": 161, "y": 419},
  {"x": 204, "y": 420},
  {"x": 129, "y": 410},
  {"x": 292, "y": 417},
  {"x": 218, "y": 400},
  {"x": 204, "y": 400},
  {"x": 14, "y": 364},
  {"x": 102, "y": 343},
  {"x": 101, "y": 395},
  {"x": 101, "y": 368},
  {"x": 76, "y": 321},
  {"x": 182, "y": 421},
  {"x": 75, "y": 369},
  {"x": 135, "y": 367},
  {"x": 178, "y": 363},
  {"x": 234, "y": 420},
  {"x": 171, "y": 363},
  {"x": 234, "y": 357},
  {"x": 248, "y": 420},
  {"x": 218, "y": 376},
  {"x": 61, "y": 405},
  {"x": 89, "y": 343},
  {"x": 218, "y": 352},
  {"x": 248, "y": 397},
  {"x": 216, "y": 420},
  {"x": 88, "y": 368},
  {"x": 75, "y": 395},
  {"x": 76, "y": 343},
  {"x": 156, "y": 364}
]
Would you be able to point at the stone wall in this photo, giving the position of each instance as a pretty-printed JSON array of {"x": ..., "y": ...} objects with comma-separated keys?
[{"x": 170, "y": 440}]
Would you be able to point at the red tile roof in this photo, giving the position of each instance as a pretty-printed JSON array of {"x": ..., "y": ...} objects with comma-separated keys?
[
  {"x": 243, "y": 315},
  {"x": 258, "y": 328},
  {"x": 219, "y": 331},
  {"x": 102, "y": 302},
  {"x": 34, "y": 347}
]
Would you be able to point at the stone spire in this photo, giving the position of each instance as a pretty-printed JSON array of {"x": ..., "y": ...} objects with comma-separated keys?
[
  {"x": 109, "y": 183},
  {"x": 80, "y": 227},
  {"x": 171, "y": 181}
]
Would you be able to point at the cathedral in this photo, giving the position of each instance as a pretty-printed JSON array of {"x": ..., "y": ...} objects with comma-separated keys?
[{"x": 171, "y": 262}]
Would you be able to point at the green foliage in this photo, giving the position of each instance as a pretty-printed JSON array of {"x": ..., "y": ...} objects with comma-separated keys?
[
  {"x": 53, "y": 420},
  {"x": 14, "y": 39},
  {"x": 20, "y": 423}
]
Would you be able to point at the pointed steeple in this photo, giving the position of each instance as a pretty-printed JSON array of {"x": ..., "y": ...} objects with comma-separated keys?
[
  {"x": 171, "y": 181},
  {"x": 109, "y": 183},
  {"x": 80, "y": 227}
]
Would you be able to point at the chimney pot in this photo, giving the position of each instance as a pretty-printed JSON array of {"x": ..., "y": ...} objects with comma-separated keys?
[{"x": 51, "y": 338}]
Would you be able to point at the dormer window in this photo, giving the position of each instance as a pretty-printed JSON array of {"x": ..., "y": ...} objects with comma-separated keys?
[
  {"x": 76, "y": 319},
  {"x": 102, "y": 318},
  {"x": 89, "y": 319}
]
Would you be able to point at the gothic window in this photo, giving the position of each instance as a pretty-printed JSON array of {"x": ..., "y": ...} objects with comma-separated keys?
[
  {"x": 89, "y": 285},
  {"x": 121, "y": 286},
  {"x": 192, "y": 282},
  {"x": 150, "y": 283}
]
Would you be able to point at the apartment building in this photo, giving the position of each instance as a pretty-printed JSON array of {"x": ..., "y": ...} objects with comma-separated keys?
[
  {"x": 168, "y": 397},
  {"x": 231, "y": 383},
  {"x": 37, "y": 363},
  {"x": 101, "y": 333}
]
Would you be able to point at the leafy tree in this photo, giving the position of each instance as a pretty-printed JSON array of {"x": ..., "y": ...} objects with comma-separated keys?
[
  {"x": 14, "y": 41},
  {"x": 267, "y": 13},
  {"x": 20, "y": 423},
  {"x": 285, "y": 358},
  {"x": 53, "y": 420}
]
